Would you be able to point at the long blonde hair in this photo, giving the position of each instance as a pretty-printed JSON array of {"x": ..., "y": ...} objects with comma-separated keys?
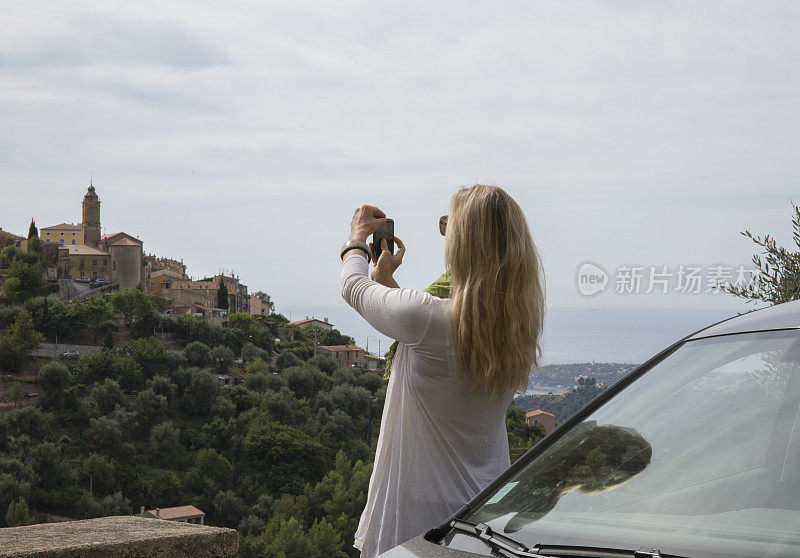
[{"x": 497, "y": 292}]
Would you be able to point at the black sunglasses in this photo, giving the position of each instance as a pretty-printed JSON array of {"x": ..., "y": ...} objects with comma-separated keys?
[{"x": 443, "y": 224}]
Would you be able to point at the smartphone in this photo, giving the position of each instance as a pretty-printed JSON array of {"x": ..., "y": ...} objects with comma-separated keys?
[{"x": 386, "y": 231}]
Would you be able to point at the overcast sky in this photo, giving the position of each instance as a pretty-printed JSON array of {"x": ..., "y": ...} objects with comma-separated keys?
[{"x": 241, "y": 135}]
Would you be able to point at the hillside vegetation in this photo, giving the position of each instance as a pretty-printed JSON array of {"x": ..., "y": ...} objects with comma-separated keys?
[{"x": 284, "y": 456}]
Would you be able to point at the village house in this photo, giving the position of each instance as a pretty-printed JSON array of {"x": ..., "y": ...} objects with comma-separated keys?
[
  {"x": 545, "y": 419},
  {"x": 203, "y": 292},
  {"x": 257, "y": 307},
  {"x": 184, "y": 514},
  {"x": 308, "y": 322},
  {"x": 65, "y": 233},
  {"x": 344, "y": 355},
  {"x": 374, "y": 363},
  {"x": 162, "y": 279},
  {"x": 153, "y": 263}
]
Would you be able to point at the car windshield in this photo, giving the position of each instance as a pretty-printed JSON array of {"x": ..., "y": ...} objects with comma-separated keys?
[{"x": 700, "y": 456}]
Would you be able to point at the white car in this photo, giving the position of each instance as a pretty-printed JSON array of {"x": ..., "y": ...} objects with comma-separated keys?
[{"x": 696, "y": 453}]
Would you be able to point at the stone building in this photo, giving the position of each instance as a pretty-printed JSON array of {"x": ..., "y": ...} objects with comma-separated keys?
[
  {"x": 189, "y": 293},
  {"x": 116, "y": 257},
  {"x": 344, "y": 355},
  {"x": 256, "y": 307},
  {"x": 308, "y": 322},
  {"x": 91, "y": 217},
  {"x": 84, "y": 261},
  {"x": 126, "y": 258},
  {"x": 162, "y": 270},
  {"x": 206, "y": 292},
  {"x": 162, "y": 279}
]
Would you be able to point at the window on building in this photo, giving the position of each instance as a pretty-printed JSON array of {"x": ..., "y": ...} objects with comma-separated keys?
[
  {"x": 62, "y": 234},
  {"x": 62, "y": 241},
  {"x": 94, "y": 274},
  {"x": 81, "y": 261},
  {"x": 105, "y": 263},
  {"x": 47, "y": 240},
  {"x": 81, "y": 273},
  {"x": 114, "y": 267},
  {"x": 73, "y": 241},
  {"x": 94, "y": 263}
]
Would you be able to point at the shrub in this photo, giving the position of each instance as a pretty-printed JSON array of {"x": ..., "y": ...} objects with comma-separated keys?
[
  {"x": 287, "y": 359},
  {"x": 54, "y": 379},
  {"x": 197, "y": 354}
]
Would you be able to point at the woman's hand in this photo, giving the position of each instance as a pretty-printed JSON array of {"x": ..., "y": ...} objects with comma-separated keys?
[
  {"x": 366, "y": 219},
  {"x": 387, "y": 263}
]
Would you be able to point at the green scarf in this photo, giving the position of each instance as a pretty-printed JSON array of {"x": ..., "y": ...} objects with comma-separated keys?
[{"x": 440, "y": 289}]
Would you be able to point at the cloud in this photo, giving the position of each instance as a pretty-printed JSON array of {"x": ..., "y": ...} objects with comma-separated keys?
[{"x": 241, "y": 136}]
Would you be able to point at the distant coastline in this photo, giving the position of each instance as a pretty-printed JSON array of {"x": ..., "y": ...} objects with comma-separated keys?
[
  {"x": 557, "y": 379},
  {"x": 571, "y": 335}
]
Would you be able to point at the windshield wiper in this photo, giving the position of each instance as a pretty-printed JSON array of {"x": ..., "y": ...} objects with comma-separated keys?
[
  {"x": 495, "y": 541},
  {"x": 515, "y": 549}
]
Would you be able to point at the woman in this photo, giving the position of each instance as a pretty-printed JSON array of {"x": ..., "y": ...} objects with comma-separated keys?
[{"x": 458, "y": 364}]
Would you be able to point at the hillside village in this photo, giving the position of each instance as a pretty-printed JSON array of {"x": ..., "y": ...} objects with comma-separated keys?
[{"x": 82, "y": 261}]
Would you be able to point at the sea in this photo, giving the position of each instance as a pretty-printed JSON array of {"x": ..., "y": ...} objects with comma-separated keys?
[{"x": 571, "y": 335}]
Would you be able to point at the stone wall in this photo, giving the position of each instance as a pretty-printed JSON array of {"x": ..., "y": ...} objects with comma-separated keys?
[{"x": 118, "y": 537}]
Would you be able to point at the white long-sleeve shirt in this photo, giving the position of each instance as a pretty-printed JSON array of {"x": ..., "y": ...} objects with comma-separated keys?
[{"x": 438, "y": 445}]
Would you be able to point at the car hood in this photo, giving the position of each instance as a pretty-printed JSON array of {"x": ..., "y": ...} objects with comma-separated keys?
[{"x": 418, "y": 547}]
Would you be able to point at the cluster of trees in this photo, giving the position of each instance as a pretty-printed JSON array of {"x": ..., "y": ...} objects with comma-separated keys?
[
  {"x": 283, "y": 456},
  {"x": 21, "y": 340},
  {"x": 25, "y": 272}
]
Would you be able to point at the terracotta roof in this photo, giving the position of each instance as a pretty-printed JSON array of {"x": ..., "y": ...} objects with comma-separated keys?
[
  {"x": 341, "y": 347},
  {"x": 10, "y": 234},
  {"x": 81, "y": 250},
  {"x": 178, "y": 512},
  {"x": 63, "y": 227},
  {"x": 298, "y": 322},
  {"x": 537, "y": 412},
  {"x": 180, "y": 310},
  {"x": 125, "y": 242},
  {"x": 112, "y": 235},
  {"x": 168, "y": 272}
]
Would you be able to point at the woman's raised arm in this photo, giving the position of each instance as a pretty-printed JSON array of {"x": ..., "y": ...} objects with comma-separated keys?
[{"x": 402, "y": 314}]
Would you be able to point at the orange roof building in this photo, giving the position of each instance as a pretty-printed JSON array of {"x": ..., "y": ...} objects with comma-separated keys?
[
  {"x": 543, "y": 418},
  {"x": 324, "y": 323},
  {"x": 184, "y": 514}
]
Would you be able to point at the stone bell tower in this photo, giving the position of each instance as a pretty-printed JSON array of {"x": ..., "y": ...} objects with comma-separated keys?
[{"x": 91, "y": 217}]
